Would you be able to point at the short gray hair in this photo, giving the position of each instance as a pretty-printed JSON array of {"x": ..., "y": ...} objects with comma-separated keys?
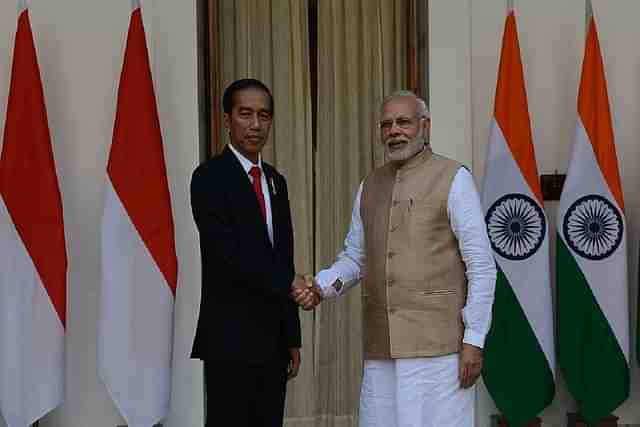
[{"x": 421, "y": 106}]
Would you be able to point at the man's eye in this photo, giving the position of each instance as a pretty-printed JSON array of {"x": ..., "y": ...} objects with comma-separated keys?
[
  {"x": 386, "y": 124},
  {"x": 403, "y": 122}
]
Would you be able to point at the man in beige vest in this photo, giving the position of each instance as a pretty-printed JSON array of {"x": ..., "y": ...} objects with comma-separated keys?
[{"x": 418, "y": 242}]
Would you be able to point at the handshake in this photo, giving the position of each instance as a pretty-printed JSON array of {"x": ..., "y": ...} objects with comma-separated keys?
[{"x": 306, "y": 292}]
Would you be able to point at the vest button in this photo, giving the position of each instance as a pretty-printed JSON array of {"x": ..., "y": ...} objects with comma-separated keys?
[
  {"x": 391, "y": 255},
  {"x": 390, "y": 282},
  {"x": 395, "y": 203},
  {"x": 393, "y": 228}
]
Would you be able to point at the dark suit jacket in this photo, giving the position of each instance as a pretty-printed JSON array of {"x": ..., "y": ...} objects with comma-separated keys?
[{"x": 245, "y": 310}]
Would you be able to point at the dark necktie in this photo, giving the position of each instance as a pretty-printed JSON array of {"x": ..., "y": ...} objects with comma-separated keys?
[{"x": 257, "y": 187}]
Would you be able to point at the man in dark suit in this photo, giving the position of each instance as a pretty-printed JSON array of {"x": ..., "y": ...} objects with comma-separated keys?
[{"x": 248, "y": 332}]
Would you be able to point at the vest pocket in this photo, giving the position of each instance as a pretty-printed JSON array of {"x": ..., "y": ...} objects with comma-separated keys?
[
  {"x": 438, "y": 292},
  {"x": 402, "y": 298}
]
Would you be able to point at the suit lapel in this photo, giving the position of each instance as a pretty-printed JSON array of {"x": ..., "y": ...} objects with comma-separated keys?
[{"x": 273, "y": 201}]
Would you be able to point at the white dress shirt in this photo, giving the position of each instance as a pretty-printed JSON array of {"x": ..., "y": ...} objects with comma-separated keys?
[
  {"x": 467, "y": 223},
  {"x": 247, "y": 165}
]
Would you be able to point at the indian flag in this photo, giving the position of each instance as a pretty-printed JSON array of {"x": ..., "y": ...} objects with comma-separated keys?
[
  {"x": 519, "y": 350},
  {"x": 593, "y": 310}
]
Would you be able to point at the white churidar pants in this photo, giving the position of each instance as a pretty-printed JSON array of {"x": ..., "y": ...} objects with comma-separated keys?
[{"x": 415, "y": 392}]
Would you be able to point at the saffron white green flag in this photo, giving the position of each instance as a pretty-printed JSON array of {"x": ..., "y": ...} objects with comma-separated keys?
[
  {"x": 519, "y": 350},
  {"x": 592, "y": 304}
]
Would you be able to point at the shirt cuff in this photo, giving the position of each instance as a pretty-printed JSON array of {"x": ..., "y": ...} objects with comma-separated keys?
[
  {"x": 326, "y": 279},
  {"x": 474, "y": 338}
]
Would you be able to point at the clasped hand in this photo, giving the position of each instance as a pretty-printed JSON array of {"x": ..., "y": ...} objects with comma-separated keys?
[{"x": 306, "y": 292}]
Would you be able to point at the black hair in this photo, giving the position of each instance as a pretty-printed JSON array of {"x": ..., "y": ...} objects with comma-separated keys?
[{"x": 242, "y": 84}]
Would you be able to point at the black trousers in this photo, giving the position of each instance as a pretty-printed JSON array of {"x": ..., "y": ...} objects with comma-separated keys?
[{"x": 245, "y": 395}]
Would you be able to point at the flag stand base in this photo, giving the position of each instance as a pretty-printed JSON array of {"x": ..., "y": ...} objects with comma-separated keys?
[
  {"x": 501, "y": 421},
  {"x": 575, "y": 420}
]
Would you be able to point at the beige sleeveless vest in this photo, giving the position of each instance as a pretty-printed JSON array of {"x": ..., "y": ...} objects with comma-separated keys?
[{"x": 415, "y": 286}]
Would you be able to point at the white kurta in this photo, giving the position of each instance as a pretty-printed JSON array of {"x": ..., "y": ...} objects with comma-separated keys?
[
  {"x": 424, "y": 392},
  {"x": 415, "y": 392}
]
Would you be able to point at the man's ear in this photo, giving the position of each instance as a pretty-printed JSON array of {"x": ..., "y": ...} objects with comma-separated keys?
[
  {"x": 426, "y": 129},
  {"x": 426, "y": 123},
  {"x": 227, "y": 120}
]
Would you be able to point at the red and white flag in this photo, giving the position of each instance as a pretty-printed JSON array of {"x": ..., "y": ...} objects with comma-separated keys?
[
  {"x": 139, "y": 264},
  {"x": 33, "y": 265}
]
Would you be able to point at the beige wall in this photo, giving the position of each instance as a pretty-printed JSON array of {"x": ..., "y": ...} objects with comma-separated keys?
[
  {"x": 80, "y": 46},
  {"x": 465, "y": 38}
]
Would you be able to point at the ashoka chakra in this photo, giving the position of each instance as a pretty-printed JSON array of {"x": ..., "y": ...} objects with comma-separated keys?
[
  {"x": 593, "y": 227},
  {"x": 516, "y": 226}
]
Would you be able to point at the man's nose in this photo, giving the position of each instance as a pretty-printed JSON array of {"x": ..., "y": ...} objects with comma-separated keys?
[
  {"x": 255, "y": 122},
  {"x": 395, "y": 129}
]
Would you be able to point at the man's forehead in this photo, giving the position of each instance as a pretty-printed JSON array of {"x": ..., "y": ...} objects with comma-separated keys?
[
  {"x": 251, "y": 97},
  {"x": 400, "y": 106}
]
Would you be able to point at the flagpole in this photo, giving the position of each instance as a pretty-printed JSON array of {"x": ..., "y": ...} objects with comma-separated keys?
[{"x": 510, "y": 6}]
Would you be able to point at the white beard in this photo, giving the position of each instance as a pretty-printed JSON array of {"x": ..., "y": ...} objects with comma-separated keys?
[{"x": 411, "y": 148}]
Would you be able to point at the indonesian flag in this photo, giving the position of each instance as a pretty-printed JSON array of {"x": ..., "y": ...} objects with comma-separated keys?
[
  {"x": 519, "y": 349},
  {"x": 139, "y": 265},
  {"x": 33, "y": 265},
  {"x": 593, "y": 308}
]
